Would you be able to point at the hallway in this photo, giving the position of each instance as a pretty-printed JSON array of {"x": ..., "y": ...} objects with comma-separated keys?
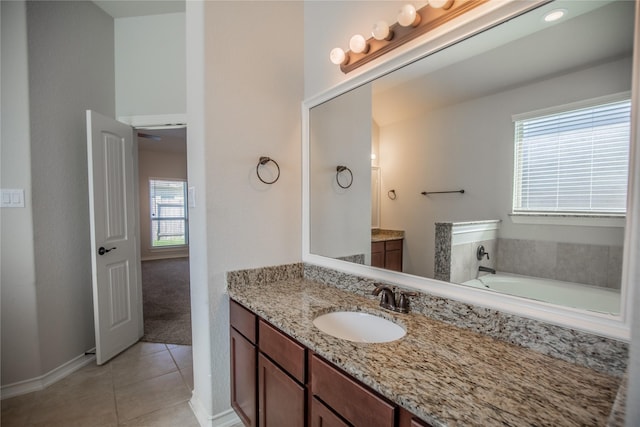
[{"x": 148, "y": 385}]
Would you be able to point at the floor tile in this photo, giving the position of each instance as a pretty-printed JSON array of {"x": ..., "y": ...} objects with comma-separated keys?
[
  {"x": 182, "y": 355},
  {"x": 129, "y": 370},
  {"x": 140, "y": 349},
  {"x": 178, "y": 415},
  {"x": 187, "y": 376},
  {"x": 150, "y": 395}
]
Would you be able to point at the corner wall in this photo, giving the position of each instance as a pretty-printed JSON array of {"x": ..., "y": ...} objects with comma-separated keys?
[
  {"x": 20, "y": 338},
  {"x": 253, "y": 89}
]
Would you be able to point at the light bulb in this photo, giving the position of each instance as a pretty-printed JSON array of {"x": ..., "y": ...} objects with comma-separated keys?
[
  {"x": 381, "y": 31},
  {"x": 408, "y": 17},
  {"x": 337, "y": 56},
  {"x": 358, "y": 44},
  {"x": 440, "y": 4},
  {"x": 554, "y": 15}
]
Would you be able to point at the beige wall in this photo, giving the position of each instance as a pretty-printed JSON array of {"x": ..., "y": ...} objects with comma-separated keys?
[{"x": 157, "y": 164}]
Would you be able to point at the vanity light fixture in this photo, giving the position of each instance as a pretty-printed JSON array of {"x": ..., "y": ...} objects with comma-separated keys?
[
  {"x": 554, "y": 15},
  {"x": 411, "y": 23}
]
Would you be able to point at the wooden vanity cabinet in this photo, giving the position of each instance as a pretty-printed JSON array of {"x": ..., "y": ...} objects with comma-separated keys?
[
  {"x": 243, "y": 363},
  {"x": 277, "y": 382},
  {"x": 387, "y": 254}
]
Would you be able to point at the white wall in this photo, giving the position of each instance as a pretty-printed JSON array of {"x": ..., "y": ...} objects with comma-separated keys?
[
  {"x": 416, "y": 155},
  {"x": 70, "y": 70},
  {"x": 253, "y": 89},
  {"x": 20, "y": 338},
  {"x": 46, "y": 274},
  {"x": 150, "y": 65},
  {"x": 154, "y": 165},
  {"x": 340, "y": 218}
]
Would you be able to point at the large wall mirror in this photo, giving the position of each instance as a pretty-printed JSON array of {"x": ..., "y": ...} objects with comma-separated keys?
[{"x": 445, "y": 123}]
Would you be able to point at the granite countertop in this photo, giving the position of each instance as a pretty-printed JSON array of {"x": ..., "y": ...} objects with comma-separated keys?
[
  {"x": 446, "y": 375},
  {"x": 381, "y": 235}
]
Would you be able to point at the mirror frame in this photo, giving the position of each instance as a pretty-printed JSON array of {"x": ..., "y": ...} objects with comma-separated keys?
[{"x": 473, "y": 22}]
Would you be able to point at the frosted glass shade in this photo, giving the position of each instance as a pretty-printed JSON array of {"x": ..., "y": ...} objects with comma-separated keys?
[
  {"x": 358, "y": 44},
  {"x": 408, "y": 16},
  {"x": 380, "y": 31},
  {"x": 337, "y": 56}
]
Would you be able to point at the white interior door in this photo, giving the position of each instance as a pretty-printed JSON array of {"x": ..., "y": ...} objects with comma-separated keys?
[{"x": 117, "y": 292}]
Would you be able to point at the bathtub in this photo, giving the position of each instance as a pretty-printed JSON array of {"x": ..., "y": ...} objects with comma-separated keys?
[{"x": 592, "y": 298}]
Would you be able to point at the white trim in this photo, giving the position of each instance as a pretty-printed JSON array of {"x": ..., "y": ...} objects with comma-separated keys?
[
  {"x": 579, "y": 220},
  {"x": 164, "y": 256},
  {"x": 474, "y": 231},
  {"x": 585, "y": 103},
  {"x": 160, "y": 121},
  {"x": 225, "y": 418},
  {"x": 479, "y": 19},
  {"x": 44, "y": 381}
]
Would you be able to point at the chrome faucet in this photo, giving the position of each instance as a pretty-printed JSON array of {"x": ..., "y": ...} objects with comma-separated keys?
[
  {"x": 388, "y": 298},
  {"x": 486, "y": 269}
]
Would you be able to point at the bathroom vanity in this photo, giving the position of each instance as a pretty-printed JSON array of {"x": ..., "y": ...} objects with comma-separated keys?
[
  {"x": 285, "y": 371},
  {"x": 386, "y": 249}
]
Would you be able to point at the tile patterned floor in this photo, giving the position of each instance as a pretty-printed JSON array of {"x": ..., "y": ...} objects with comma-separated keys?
[{"x": 148, "y": 385}]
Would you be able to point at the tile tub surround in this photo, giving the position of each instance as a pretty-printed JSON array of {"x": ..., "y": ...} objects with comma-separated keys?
[
  {"x": 382, "y": 235},
  {"x": 443, "y": 374},
  {"x": 596, "y": 265}
]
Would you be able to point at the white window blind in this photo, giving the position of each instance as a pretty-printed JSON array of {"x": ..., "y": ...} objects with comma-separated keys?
[
  {"x": 168, "y": 213},
  {"x": 573, "y": 161}
]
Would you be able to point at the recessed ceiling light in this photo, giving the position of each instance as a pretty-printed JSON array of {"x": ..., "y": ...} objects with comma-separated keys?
[{"x": 554, "y": 15}]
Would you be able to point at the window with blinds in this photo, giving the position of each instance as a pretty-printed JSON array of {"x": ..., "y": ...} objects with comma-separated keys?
[
  {"x": 573, "y": 161},
  {"x": 168, "y": 213}
]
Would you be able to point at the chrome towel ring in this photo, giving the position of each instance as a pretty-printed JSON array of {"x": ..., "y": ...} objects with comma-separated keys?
[
  {"x": 341, "y": 169},
  {"x": 262, "y": 162},
  {"x": 392, "y": 194}
]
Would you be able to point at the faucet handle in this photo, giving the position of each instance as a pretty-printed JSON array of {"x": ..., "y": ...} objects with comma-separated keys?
[{"x": 403, "y": 303}]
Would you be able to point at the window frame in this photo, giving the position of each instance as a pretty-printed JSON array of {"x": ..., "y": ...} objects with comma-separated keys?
[
  {"x": 559, "y": 217},
  {"x": 185, "y": 218}
]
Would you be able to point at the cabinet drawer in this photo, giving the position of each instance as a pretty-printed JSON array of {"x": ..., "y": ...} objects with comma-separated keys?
[
  {"x": 377, "y": 247},
  {"x": 243, "y": 321},
  {"x": 321, "y": 416},
  {"x": 392, "y": 245},
  {"x": 283, "y": 350},
  {"x": 351, "y": 400}
]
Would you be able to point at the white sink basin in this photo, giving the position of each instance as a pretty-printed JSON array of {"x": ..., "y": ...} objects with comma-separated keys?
[{"x": 359, "y": 327}]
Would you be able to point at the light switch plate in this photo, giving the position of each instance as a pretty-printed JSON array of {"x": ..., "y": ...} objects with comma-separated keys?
[
  {"x": 191, "y": 197},
  {"x": 12, "y": 198}
]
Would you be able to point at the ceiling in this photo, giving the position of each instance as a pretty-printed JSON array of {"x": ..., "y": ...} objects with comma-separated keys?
[
  {"x": 128, "y": 8},
  {"x": 171, "y": 140},
  {"x": 519, "y": 52}
]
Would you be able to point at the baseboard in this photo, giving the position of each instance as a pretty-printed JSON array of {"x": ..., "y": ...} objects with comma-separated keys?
[
  {"x": 44, "y": 381},
  {"x": 168, "y": 256},
  {"x": 226, "y": 418}
]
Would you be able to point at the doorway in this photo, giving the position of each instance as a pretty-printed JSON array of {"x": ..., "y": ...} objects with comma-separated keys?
[{"x": 164, "y": 239}]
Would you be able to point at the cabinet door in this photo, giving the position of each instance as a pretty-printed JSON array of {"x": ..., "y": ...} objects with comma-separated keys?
[
  {"x": 281, "y": 398},
  {"x": 377, "y": 254},
  {"x": 393, "y": 255},
  {"x": 321, "y": 416},
  {"x": 243, "y": 378}
]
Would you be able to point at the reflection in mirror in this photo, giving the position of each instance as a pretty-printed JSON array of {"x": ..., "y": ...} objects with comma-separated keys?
[{"x": 446, "y": 122}]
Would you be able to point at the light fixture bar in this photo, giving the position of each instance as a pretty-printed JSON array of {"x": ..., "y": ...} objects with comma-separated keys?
[{"x": 430, "y": 18}]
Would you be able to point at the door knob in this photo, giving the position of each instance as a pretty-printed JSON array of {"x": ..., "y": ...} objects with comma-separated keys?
[{"x": 102, "y": 250}]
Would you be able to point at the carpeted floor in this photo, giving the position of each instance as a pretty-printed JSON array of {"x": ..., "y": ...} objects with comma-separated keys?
[{"x": 166, "y": 301}]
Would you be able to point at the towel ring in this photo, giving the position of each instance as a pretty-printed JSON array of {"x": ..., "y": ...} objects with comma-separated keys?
[
  {"x": 263, "y": 161},
  {"x": 392, "y": 194},
  {"x": 341, "y": 169}
]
